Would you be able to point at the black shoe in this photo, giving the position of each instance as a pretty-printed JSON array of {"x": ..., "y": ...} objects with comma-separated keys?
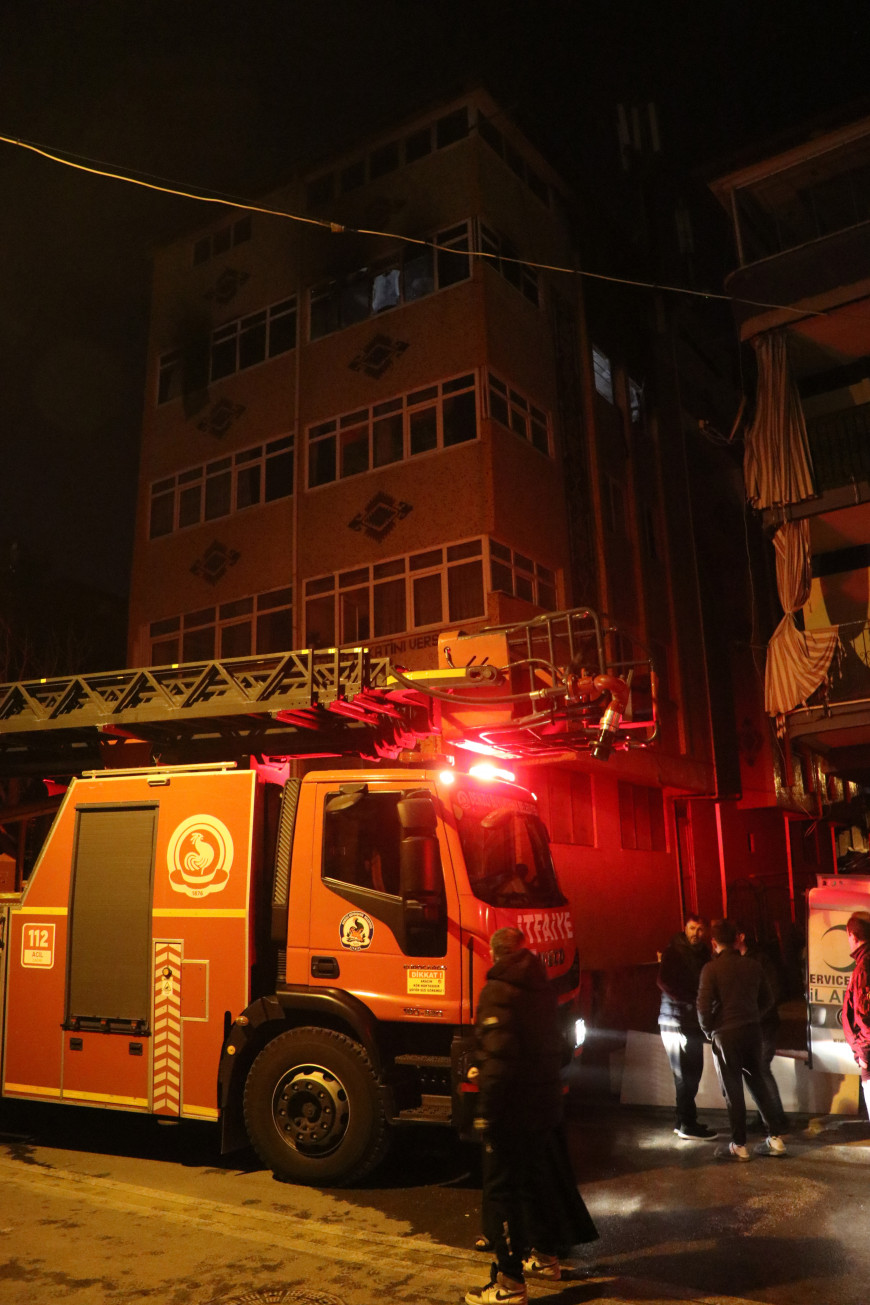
[{"x": 695, "y": 1132}]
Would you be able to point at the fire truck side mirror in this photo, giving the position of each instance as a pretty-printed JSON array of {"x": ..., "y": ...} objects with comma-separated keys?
[
  {"x": 417, "y": 814},
  {"x": 420, "y": 868}
]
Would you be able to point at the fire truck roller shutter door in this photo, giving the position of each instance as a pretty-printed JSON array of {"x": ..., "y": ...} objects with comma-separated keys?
[{"x": 314, "y": 1109}]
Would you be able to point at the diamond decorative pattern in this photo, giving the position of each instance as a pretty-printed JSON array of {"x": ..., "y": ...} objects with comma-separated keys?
[
  {"x": 227, "y": 286},
  {"x": 220, "y": 418},
  {"x": 215, "y": 562},
  {"x": 379, "y": 516},
  {"x": 378, "y": 356}
]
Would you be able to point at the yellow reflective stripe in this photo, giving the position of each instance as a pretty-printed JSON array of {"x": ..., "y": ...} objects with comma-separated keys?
[
  {"x": 189, "y": 912},
  {"x": 199, "y": 1112},
  {"x": 40, "y": 910},
  {"x": 107, "y": 1097},
  {"x": 31, "y": 1090}
]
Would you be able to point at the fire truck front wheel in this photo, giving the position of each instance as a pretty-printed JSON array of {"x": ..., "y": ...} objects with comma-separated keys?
[{"x": 313, "y": 1108}]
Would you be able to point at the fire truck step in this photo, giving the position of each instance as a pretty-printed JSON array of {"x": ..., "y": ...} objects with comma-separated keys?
[{"x": 432, "y": 1110}]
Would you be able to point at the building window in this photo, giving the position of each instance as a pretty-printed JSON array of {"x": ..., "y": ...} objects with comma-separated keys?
[
  {"x": 216, "y": 489},
  {"x": 512, "y": 573},
  {"x": 232, "y": 347},
  {"x": 642, "y": 818},
  {"x": 384, "y": 159},
  {"x": 513, "y": 410},
  {"x": 603, "y": 374},
  {"x": 221, "y": 240},
  {"x": 518, "y": 165},
  {"x": 261, "y": 623},
  {"x": 635, "y": 402},
  {"x": 505, "y": 259},
  {"x": 437, "y": 586},
  {"x": 411, "y": 273},
  {"x": 436, "y": 417}
]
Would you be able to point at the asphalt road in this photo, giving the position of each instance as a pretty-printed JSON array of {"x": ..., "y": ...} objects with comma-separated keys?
[{"x": 99, "y": 1207}]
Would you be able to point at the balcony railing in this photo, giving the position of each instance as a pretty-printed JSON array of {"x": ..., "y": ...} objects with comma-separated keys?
[{"x": 840, "y": 446}]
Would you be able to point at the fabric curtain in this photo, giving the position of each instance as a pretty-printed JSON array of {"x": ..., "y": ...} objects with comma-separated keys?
[
  {"x": 777, "y": 467},
  {"x": 797, "y": 660}
]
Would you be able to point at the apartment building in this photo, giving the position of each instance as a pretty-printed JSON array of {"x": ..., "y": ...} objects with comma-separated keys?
[
  {"x": 379, "y": 406},
  {"x": 801, "y": 223}
]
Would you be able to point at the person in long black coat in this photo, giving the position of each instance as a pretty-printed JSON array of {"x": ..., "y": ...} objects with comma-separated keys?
[{"x": 531, "y": 1209}]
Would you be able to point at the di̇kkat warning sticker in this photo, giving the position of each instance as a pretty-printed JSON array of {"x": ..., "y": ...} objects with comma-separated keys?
[
  {"x": 357, "y": 931},
  {"x": 430, "y": 983}
]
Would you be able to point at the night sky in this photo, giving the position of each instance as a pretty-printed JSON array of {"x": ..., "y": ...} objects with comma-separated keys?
[{"x": 231, "y": 96}]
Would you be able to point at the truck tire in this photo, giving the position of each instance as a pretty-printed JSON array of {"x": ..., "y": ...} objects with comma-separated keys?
[{"x": 313, "y": 1108}]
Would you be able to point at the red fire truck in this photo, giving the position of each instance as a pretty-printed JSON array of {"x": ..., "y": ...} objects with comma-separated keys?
[{"x": 194, "y": 929}]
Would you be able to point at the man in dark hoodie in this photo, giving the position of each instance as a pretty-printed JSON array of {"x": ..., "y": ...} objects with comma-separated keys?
[
  {"x": 733, "y": 997},
  {"x": 531, "y": 1206},
  {"x": 679, "y": 972},
  {"x": 856, "y": 1007}
]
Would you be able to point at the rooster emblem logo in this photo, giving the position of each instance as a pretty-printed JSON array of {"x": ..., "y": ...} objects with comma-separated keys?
[
  {"x": 200, "y": 856},
  {"x": 356, "y": 931}
]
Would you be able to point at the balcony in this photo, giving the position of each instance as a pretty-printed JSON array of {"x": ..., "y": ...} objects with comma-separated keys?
[
  {"x": 840, "y": 447},
  {"x": 836, "y": 718}
]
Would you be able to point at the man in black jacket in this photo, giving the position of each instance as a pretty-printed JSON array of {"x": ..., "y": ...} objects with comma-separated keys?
[
  {"x": 733, "y": 996},
  {"x": 531, "y": 1206},
  {"x": 679, "y": 972}
]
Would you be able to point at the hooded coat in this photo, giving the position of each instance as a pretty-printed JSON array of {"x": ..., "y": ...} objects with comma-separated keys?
[{"x": 520, "y": 1047}]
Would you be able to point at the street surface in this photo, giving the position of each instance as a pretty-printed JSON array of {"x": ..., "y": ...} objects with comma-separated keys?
[{"x": 105, "y": 1208}]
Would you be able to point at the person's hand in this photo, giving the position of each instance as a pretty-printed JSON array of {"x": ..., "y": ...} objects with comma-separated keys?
[
  {"x": 862, "y": 1064},
  {"x": 481, "y": 1125},
  {"x": 473, "y": 1073}
]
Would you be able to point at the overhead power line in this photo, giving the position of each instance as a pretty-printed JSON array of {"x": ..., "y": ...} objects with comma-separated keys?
[{"x": 95, "y": 168}]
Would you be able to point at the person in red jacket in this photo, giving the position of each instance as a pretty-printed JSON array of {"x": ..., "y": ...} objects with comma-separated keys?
[{"x": 856, "y": 1007}]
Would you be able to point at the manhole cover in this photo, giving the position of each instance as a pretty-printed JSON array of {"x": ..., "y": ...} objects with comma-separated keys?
[{"x": 283, "y": 1296}]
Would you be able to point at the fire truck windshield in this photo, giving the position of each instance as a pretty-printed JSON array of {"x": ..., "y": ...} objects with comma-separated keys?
[{"x": 507, "y": 855}]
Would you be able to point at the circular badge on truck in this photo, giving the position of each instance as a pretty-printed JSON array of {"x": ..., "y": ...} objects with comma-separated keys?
[
  {"x": 200, "y": 856},
  {"x": 356, "y": 930}
]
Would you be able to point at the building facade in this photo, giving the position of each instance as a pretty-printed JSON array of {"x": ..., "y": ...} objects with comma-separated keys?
[
  {"x": 801, "y": 221},
  {"x": 384, "y": 403}
]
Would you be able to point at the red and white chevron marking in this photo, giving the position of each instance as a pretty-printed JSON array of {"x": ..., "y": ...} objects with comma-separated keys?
[{"x": 166, "y": 1071}]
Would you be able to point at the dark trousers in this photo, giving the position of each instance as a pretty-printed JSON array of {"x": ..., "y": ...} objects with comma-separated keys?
[
  {"x": 686, "y": 1058},
  {"x": 768, "y": 1051},
  {"x": 739, "y": 1059},
  {"x": 514, "y": 1199},
  {"x": 530, "y": 1197}
]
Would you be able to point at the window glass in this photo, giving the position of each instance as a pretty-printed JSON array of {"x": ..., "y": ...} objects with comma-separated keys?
[
  {"x": 190, "y": 506},
  {"x": 603, "y": 374},
  {"x": 279, "y": 475},
  {"x": 164, "y": 652},
  {"x": 162, "y": 513},
  {"x": 218, "y": 495},
  {"x": 387, "y": 440},
  {"x": 248, "y": 486},
  {"x": 275, "y": 631},
  {"x": 198, "y": 645},
  {"x": 424, "y": 429},
  {"x": 452, "y": 127},
  {"x": 353, "y": 176},
  {"x": 460, "y": 419},
  {"x": 320, "y": 622},
  {"x": 427, "y": 600},
  {"x": 236, "y": 640},
  {"x": 223, "y": 357},
  {"x": 385, "y": 289},
  {"x": 384, "y": 160},
  {"x": 221, "y": 241},
  {"x": 321, "y": 461},
  {"x": 453, "y": 266},
  {"x": 252, "y": 340},
  {"x": 389, "y": 607},
  {"x": 507, "y": 854},
  {"x": 324, "y": 313},
  {"x": 361, "y": 842},
  {"x": 501, "y": 577},
  {"x": 465, "y": 591},
  {"x": 355, "y": 300},
  {"x": 355, "y": 626},
  {"x": 418, "y": 272},
  {"x": 418, "y": 145},
  {"x": 282, "y": 330},
  {"x": 354, "y": 451}
]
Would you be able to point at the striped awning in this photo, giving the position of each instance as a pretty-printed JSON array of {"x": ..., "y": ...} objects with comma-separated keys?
[
  {"x": 777, "y": 467},
  {"x": 797, "y": 660}
]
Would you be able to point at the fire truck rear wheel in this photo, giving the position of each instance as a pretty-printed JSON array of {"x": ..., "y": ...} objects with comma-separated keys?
[{"x": 313, "y": 1108}]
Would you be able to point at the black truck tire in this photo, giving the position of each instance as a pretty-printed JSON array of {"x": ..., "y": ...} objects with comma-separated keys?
[{"x": 313, "y": 1108}]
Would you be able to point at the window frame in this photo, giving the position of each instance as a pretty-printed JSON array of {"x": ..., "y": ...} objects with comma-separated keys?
[
  {"x": 236, "y": 465},
  {"x": 219, "y": 618}
]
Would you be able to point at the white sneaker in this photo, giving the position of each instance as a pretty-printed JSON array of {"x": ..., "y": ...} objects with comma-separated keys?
[
  {"x": 771, "y": 1146},
  {"x": 734, "y": 1151},
  {"x": 542, "y": 1266},
  {"x": 497, "y": 1292}
]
